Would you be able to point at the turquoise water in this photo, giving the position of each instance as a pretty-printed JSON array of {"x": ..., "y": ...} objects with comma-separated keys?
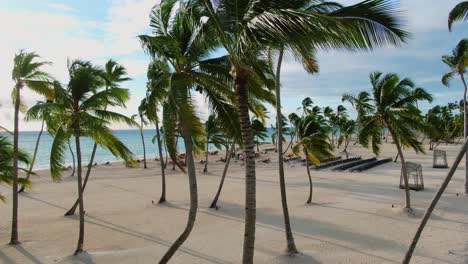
[{"x": 131, "y": 138}]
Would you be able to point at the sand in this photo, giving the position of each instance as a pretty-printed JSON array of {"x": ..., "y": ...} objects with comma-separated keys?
[{"x": 351, "y": 221}]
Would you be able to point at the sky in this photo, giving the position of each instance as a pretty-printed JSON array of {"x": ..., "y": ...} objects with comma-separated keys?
[{"x": 108, "y": 29}]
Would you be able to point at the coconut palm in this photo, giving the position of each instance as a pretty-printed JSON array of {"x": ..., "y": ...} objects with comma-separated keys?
[
  {"x": 6, "y": 161},
  {"x": 81, "y": 104},
  {"x": 231, "y": 130},
  {"x": 213, "y": 136},
  {"x": 27, "y": 73},
  {"x": 457, "y": 62},
  {"x": 43, "y": 117},
  {"x": 142, "y": 108},
  {"x": 313, "y": 142},
  {"x": 392, "y": 105},
  {"x": 306, "y": 104},
  {"x": 112, "y": 76},
  {"x": 178, "y": 48},
  {"x": 246, "y": 28},
  {"x": 458, "y": 13},
  {"x": 259, "y": 131},
  {"x": 155, "y": 100},
  {"x": 347, "y": 129}
]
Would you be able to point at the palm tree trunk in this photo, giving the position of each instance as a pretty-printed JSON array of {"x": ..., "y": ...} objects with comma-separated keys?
[
  {"x": 205, "y": 169},
  {"x": 73, "y": 159},
  {"x": 214, "y": 203},
  {"x": 14, "y": 217},
  {"x": 311, "y": 185},
  {"x": 72, "y": 210},
  {"x": 434, "y": 202},
  {"x": 163, "y": 166},
  {"x": 144, "y": 146},
  {"x": 465, "y": 112},
  {"x": 193, "y": 195},
  {"x": 79, "y": 247},
  {"x": 403, "y": 168},
  {"x": 291, "y": 246},
  {"x": 241, "y": 75},
  {"x": 28, "y": 175}
]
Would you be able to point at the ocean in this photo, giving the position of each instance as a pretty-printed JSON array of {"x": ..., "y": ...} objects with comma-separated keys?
[{"x": 131, "y": 138}]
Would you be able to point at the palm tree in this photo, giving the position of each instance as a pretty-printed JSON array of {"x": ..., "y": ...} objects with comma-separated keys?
[
  {"x": 179, "y": 46},
  {"x": 213, "y": 136},
  {"x": 112, "y": 76},
  {"x": 313, "y": 141},
  {"x": 231, "y": 130},
  {"x": 26, "y": 73},
  {"x": 391, "y": 106},
  {"x": 347, "y": 129},
  {"x": 141, "y": 114},
  {"x": 82, "y": 105},
  {"x": 6, "y": 161},
  {"x": 155, "y": 99},
  {"x": 246, "y": 29},
  {"x": 259, "y": 131},
  {"x": 458, "y": 13},
  {"x": 307, "y": 103},
  {"x": 458, "y": 62},
  {"x": 36, "y": 148}
]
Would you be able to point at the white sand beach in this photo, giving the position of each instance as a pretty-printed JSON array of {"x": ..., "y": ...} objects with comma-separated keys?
[{"x": 351, "y": 220}]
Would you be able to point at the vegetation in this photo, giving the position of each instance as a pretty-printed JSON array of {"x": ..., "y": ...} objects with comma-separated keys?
[
  {"x": 6, "y": 161},
  {"x": 313, "y": 142},
  {"x": 81, "y": 109},
  {"x": 458, "y": 13},
  {"x": 391, "y": 105},
  {"x": 253, "y": 37},
  {"x": 457, "y": 62},
  {"x": 27, "y": 73}
]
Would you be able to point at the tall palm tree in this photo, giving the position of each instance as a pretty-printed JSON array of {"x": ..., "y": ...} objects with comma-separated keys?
[
  {"x": 155, "y": 100},
  {"x": 82, "y": 106},
  {"x": 142, "y": 108},
  {"x": 27, "y": 73},
  {"x": 347, "y": 129},
  {"x": 179, "y": 47},
  {"x": 246, "y": 28},
  {"x": 112, "y": 76},
  {"x": 458, "y": 13},
  {"x": 213, "y": 136},
  {"x": 259, "y": 131},
  {"x": 6, "y": 167},
  {"x": 457, "y": 62},
  {"x": 313, "y": 142},
  {"x": 43, "y": 117},
  {"x": 391, "y": 106}
]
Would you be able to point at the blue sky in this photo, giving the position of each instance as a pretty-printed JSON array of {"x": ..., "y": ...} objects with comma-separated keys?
[{"x": 104, "y": 29}]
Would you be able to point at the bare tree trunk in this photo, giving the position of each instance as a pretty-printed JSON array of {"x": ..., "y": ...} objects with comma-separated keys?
[
  {"x": 311, "y": 186},
  {"x": 205, "y": 169},
  {"x": 79, "y": 247},
  {"x": 240, "y": 76},
  {"x": 72, "y": 210},
  {"x": 291, "y": 245},
  {"x": 214, "y": 203},
  {"x": 465, "y": 113},
  {"x": 14, "y": 217},
  {"x": 193, "y": 195},
  {"x": 403, "y": 168},
  {"x": 163, "y": 166},
  {"x": 28, "y": 175},
  {"x": 434, "y": 202},
  {"x": 73, "y": 159}
]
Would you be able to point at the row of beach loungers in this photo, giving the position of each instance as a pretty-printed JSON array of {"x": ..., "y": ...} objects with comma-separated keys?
[{"x": 355, "y": 164}]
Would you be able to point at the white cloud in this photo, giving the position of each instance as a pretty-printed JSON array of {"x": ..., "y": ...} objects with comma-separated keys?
[{"x": 60, "y": 7}]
